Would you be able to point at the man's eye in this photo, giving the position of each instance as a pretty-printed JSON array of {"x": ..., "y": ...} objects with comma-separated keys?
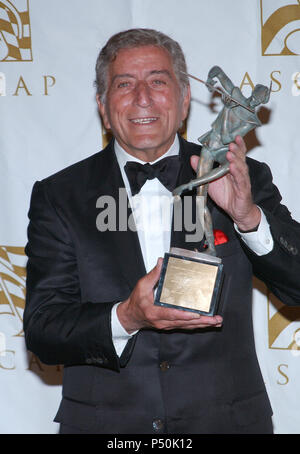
[
  {"x": 123, "y": 84},
  {"x": 158, "y": 82}
]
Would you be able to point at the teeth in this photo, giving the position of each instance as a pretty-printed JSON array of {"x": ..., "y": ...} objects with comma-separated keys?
[{"x": 144, "y": 120}]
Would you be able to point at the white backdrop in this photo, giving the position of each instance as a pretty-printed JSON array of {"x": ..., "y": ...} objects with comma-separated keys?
[{"x": 48, "y": 120}]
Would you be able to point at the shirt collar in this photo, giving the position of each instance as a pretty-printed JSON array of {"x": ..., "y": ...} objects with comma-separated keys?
[{"x": 123, "y": 156}]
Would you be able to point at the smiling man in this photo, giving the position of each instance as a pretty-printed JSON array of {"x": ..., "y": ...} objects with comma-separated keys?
[
  {"x": 131, "y": 366},
  {"x": 145, "y": 106}
]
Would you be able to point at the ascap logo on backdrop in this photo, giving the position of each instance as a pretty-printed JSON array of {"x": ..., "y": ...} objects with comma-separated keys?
[
  {"x": 280, "y": 27},
  {"x": 15, "y": 46},
  {"x": 12, "y": 284},
  {"x": 283, "y": 326},
  {"x": 12, "y": 304},
  {"x": 12, "y": 301},
  {"x": 283, "y": 334},
  {"x": 15, "y": 34}
]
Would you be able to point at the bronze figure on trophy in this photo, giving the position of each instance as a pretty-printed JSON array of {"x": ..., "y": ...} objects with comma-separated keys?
[
  {"x": 192, "y": 280},
  {"x": 237, "y": 117}
]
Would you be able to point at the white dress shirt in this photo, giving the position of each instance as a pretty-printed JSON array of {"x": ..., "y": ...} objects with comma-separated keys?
[{"x": 152, "y": 213}]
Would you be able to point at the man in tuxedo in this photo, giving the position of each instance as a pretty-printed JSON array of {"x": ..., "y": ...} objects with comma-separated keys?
[{"x": 131, "y": 366}]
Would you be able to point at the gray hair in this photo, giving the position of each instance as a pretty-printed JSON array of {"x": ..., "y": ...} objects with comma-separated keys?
[{"x": 138, "y": 37}]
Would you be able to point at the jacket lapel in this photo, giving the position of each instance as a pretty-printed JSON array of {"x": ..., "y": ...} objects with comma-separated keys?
[{"x": 106, "y": 180}]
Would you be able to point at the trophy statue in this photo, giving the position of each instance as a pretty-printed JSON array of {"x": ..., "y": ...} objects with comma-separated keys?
[{"x": 192, "y": 280}]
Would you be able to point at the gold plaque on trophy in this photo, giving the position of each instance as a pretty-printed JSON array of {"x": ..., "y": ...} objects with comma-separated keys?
[{"x": 190, "y": 281}]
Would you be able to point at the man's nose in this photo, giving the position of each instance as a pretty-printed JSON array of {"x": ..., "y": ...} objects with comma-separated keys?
[{"x": 143, "y": 94}]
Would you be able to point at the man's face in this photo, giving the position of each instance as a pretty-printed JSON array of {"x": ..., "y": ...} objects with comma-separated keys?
[{"x": 144, "y": 106}]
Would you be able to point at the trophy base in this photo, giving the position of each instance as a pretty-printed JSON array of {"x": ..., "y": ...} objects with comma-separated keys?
[{"x": 190, "y": 281}]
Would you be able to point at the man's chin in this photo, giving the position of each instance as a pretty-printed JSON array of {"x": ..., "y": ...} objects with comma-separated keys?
[{"x": 148, "y": 145}]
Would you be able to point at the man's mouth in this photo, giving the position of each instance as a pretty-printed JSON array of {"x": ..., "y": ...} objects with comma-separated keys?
[{"x": 143, "y": 121}]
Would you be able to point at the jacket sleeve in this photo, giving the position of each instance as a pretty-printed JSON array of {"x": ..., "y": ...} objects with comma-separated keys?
[
  {"x": 280, "y": 268},
  {"x": 59, "y": 328}
]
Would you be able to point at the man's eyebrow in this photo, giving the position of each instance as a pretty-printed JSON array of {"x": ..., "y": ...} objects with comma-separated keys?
[
  {"x": 161, "y": 71},
  {"x": 120, "y": 76},
  {"x": 154, "y": 71}
]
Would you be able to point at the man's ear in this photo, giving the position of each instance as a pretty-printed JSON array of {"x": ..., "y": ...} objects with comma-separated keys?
[
  {"x": 186, "y": 103},
  {"x": 103, "y": 113}
]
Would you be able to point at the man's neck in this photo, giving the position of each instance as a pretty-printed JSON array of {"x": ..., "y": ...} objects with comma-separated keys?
[{"x": 125, "y": 156}]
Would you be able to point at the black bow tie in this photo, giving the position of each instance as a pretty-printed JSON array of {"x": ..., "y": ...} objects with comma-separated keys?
[{"x": 166, "y": 170}]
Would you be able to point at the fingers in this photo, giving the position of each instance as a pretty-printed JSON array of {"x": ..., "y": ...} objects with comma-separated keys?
[
  {"x": 202, "y": 321},
  {"x": 237, "y": 151},
  {"x": 194, "y": 162},
  {"x": 153, "y": 276},
  {"x": 241, "y": 144},
  {"x": 238, "y": 148},
  {"x": 190, "y": 322},
  {"x": 176, "y": 318},
  {"x": 237, "y": 159},
  {"x": 147, "y": 283}
]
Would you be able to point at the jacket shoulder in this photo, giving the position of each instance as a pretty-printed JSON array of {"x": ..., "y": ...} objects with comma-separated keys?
[{"x": 78, "y": 169}]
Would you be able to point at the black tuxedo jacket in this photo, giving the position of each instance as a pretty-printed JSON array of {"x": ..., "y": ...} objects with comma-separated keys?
[{"x": 202, "y": 381}]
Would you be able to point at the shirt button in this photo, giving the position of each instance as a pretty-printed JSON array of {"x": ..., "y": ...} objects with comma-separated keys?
[
  {"x": 164, "y": 366},
  {"x": 157, "y": 425}
]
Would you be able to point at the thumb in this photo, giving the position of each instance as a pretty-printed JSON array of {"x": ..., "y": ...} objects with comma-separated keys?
[
  {"x": 194, "y": 162},
  {"x": 154, "y": 274}
]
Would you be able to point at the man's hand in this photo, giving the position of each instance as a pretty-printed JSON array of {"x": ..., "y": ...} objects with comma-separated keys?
[
  {"x": 138, "y": 311},
  {"x": 232, "y": 192}
]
